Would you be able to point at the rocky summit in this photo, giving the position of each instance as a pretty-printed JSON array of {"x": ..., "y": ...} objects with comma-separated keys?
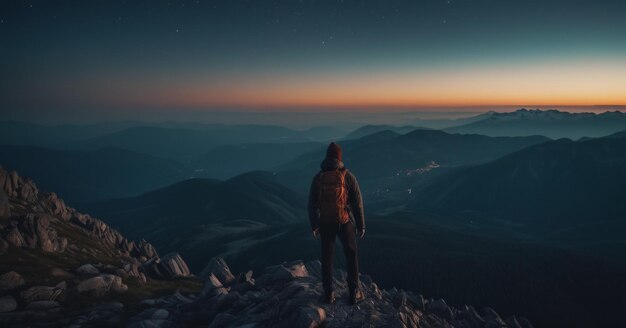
[{"x": 62, "y": 268}]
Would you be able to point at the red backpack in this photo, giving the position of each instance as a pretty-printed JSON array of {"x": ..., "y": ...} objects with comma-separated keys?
[{"x": 333, "y": 197}]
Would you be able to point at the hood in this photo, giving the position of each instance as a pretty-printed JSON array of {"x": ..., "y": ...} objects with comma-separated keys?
[{"x": 331, "y": 164}]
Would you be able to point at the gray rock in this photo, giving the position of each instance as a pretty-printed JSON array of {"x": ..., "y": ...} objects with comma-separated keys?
[
  {"x": 102, "y": 285},
  {"x": 87, "y": 269},
  {"x": 7, "y": 304},
  {"x": 41, "y": 293},
  {"x": 10, "y": 281},
  {"x": 174, "y": 265},
  {"x": 15, "y": 238},
  {"x": 42, "y": 305},
  {"x": 60, "y": 273},
  {"x": 220, "y": 269},
  {"x": 222, "y": 320},
  {"x": 160, "y": 314},
  {"x": 213, "y": 287}
]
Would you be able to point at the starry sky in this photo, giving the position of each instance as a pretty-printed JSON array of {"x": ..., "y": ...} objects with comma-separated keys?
[{"x": 91, "y": 58}]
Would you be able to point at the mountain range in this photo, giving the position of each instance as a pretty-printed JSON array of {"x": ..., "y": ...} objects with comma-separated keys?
[
  {"x": 206, "y": 214},
  {"x": 557, "y": 183},
  {"x": 550, "y": 123}
]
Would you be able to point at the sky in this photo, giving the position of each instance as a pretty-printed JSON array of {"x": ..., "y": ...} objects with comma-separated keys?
[{"x": 66, "y": 60}]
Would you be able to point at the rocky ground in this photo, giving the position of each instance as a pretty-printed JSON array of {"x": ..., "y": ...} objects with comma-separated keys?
[{"x": 61, "y": 268}]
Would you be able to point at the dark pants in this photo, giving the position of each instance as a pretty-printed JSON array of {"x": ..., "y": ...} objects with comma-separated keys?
[{"x": 347, "y": 236}]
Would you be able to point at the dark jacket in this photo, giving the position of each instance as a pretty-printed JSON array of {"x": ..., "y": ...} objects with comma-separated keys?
[{"x": 355, "y": 202}]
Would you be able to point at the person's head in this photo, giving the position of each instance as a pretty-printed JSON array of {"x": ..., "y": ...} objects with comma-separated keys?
[{"x": 333, "y": 151}]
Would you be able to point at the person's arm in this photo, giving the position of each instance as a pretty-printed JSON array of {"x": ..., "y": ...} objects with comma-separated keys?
[
  {"x": 356, "y": 202},
  {"x": 314, "y": 203}
]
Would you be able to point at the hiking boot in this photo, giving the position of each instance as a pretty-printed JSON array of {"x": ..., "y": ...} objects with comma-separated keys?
[
  {"x": 356, "y": 296},
  {"x": 328, "y": 298}
]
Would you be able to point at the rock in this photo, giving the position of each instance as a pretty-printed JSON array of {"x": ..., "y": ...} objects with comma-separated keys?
[
  {"x": 400, "y": 299},
  {"x": 102, "y": 285},
  {"x": 310, "y": 316},
  {"x": 222, "y": 320},
  {"x": 174, "y": 266},
  {"x": 247, "y": 278},
  {"x": 146, "y": 249},
  {"x": 417, "y": 301},
  {"x": 440, "y": 308},
  {"x": 493, "y": 318},
  {"x": 60, "y": 273},
  {"x": 7, "y": 304},
  {"x": 87, "y": 269},
  {"x": 10, "y": 281},
  {"x": 41, "y": 293},
  {"x": 4, "y": 246},
  {"x": 36, "y": 232},
  {"x": 42, "y": 305},
  {"x": 220, "y": 269},
  {"x": 282, "y": 273},
  {"x": 470, "y": 315},
  {"x": 15, "y": 238},
  {"x": 511, "y": 322},
  {"x": 5, "y": 210},
  {"x": 213, "y": 287},
  {"x": 160, "y": 314},
  {"x": 524, "y": 322}
]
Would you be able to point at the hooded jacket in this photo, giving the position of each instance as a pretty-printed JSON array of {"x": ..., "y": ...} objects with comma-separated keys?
[{"x": 355, "y": 201}]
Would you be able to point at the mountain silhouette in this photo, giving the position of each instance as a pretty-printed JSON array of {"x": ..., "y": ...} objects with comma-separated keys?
[
  {"x": 558, "y": 183},
  {"x": 551, "y": 123},
  {"x": 199, "y": 214}
]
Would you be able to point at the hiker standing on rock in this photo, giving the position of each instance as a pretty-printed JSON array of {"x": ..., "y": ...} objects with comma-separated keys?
[{"x": 333, "y": 196}]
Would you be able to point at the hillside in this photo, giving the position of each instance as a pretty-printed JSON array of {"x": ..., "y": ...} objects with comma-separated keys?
[
  {"x": 555, "y": 184},
  {"x": 550, "y": 123},
  {"x": 60, "y": 267},
  {"x": 198, "y": 214},
  {"x": 55, "y": 261}
]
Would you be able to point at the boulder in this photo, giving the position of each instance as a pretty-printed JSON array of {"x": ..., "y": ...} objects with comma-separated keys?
[
  {"x": 42, "y": 305},
  {"x": 102, "y": 285},
  {"x": 15, "y": 238},
  {"x": 213, "y": 287},
  {"x": 309, "y": 316},
  {"x": 37, "y": 233},
  {"x": 7, "y": 304},
  {"x": 222, "y": 320},
  {"x": 41, "y": 293},
  {"x": 174, "y": 266},
  {"x": 282, "y": 273},
  {"x": 220, "y": 269},
  {"x": 87, "y": 269},
  {"x": 60, "y": 273},
  {"x": 10, "y": 281}
]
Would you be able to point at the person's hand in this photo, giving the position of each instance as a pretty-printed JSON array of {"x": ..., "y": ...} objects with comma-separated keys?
[
  {"x": 316, "y": 233},
  {"x": 361, "y": 233}
]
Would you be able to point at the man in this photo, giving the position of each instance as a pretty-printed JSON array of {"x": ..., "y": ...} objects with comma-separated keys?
[{"x": 333, "y": 196}]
